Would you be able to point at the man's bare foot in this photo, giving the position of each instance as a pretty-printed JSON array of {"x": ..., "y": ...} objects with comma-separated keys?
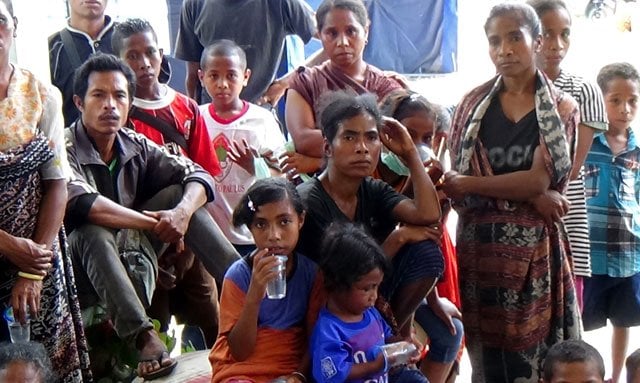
[{"x": 154, "y": 359}]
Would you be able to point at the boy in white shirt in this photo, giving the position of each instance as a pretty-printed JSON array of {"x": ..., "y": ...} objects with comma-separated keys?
[{"x": 240, "y": 131}]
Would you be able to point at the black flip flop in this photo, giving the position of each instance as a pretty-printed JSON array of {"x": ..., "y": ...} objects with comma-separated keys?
[{"x": 162, "y": 371}]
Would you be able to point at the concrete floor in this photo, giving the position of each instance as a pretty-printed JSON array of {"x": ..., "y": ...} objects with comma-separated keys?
[
  {"x": 600, "y": 339},
  {"x": 191, "y": 363}
]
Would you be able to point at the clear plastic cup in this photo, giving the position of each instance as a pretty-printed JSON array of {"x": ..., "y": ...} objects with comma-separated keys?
[
  {"x": 277, "y": 288},
  {"x": 289, "y": 147},
  {"x": 399, "y": 353},
  {"x": 19, "y": 332}
]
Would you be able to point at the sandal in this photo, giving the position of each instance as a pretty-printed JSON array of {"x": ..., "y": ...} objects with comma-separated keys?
[{"x": 160, "y": 372}]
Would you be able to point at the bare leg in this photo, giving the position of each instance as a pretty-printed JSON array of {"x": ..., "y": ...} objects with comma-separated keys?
[
  {"x": 434, "y": 371},
  {"x": 619, "y": 345},
  {"x": 406, "y": 300}
]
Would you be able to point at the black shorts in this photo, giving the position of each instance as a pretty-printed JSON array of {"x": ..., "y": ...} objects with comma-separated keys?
[{"x": 616, "y": 299}]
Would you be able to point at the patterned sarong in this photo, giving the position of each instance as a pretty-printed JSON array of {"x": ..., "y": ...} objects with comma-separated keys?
[
  {"x": 517, "y": 293},
  {"x": 59, "y": 324}
]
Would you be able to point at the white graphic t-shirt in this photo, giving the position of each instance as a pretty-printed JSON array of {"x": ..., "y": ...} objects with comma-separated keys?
[{"x": 259, "y": 128}]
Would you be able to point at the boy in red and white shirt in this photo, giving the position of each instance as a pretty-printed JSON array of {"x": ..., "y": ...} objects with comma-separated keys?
[{"x": 242, "y": 134}]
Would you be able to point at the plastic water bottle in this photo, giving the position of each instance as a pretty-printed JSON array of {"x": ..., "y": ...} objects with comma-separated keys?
[{"x": 399, "y": 353}]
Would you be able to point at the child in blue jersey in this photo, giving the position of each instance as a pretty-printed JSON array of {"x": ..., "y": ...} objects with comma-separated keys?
[
  {"x": 262, "y": 339},
  {"x": 346, "y": 340}
]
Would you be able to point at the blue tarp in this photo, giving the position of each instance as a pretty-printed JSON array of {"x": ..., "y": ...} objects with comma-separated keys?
[
  {"x": 409, "y": 36},
  {"x": 413, "y": 36}
]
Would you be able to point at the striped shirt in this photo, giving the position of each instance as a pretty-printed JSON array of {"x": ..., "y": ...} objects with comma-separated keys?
[
  {"x": 592, "y": 114},
  {"x": 577, "y": 227},
  {"x": 589, "y": 97},
  {"x": 612, "y": 186}
]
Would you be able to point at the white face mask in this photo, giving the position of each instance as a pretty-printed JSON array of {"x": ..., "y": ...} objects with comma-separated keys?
[{"x": 425, "y": 152}]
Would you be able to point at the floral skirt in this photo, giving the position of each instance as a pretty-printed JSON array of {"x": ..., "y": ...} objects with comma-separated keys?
[
  {"x": 59, "y": 323},
  {"x": 518, "y": 297}
]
